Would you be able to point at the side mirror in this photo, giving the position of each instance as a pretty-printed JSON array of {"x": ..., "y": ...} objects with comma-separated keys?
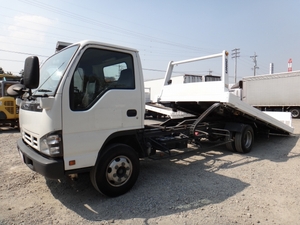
[
  {"x": 15, "y": 90},
  {"x": 31, "y": 74}
]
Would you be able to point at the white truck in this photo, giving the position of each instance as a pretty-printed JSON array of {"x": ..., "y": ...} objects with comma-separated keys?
[
  {"x": 83, "y": 111},
  {"x": 273, "y": 92}
]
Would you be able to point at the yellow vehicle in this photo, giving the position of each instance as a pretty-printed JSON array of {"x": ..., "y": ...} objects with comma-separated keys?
[
  {"x": 8, "y": 77},
  {"x": 9, "y": 111}
]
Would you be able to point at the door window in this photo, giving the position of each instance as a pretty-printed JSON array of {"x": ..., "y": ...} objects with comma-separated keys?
[{"x": 97, "y": 72}]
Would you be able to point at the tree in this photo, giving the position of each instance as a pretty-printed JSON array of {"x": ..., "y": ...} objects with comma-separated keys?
[{"x": 21, "y": 72}]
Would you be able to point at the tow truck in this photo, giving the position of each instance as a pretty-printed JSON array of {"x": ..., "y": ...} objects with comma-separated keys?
[{"x": 83, "y": 111}]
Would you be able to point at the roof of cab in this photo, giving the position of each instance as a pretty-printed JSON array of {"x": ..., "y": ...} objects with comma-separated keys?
[{"x": 88, "y": 42}]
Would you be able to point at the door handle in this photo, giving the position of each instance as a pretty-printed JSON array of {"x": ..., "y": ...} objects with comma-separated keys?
[{"x": 131, "y": 112}]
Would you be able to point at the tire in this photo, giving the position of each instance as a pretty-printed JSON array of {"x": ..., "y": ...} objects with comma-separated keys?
[
  {"x": 244, "y": 140},
  {"x": 231, "y": 145},
  {"x": 295, "y": 112},
  {"x": 116, "y": 171}
]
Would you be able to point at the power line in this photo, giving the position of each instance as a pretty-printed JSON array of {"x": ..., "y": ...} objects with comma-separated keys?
[
  {"x": 155, "y": 70},
  {"x": 111, "y": 27},
  {"x": 23, "y": 53},
  {"x": 95, "y": 22},
  {"x": 12, "y": 60}
]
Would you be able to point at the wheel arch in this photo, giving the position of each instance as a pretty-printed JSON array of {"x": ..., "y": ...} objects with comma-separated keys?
[
  {"x": 238, "y": 127},
  {"x": 116, "y": 170},
  {"x": 128, "y": 137},
  {"x": 3, "y": 116}
]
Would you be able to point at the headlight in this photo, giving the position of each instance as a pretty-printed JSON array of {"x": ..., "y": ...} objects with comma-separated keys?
[{"x": 51, "y": 144}]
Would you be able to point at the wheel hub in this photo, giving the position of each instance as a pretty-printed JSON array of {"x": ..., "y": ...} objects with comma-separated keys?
[
  {"x": 248, "y": 139},
  {"x": 119, "y": 171},
  {"x": 295, "y": 113}
]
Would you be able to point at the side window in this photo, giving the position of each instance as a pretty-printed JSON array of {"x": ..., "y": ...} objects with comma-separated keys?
[
  {"x": 78, "y": 80},
  {"x": 119, "y": 75},
  {"x": 97, "y": 72}
]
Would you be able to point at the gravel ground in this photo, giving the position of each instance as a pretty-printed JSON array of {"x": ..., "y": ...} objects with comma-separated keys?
[{"x": 204, "y": 187}]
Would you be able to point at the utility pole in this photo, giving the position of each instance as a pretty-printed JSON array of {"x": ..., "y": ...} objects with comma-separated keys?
[
  {"x": 235, "y": 54},
  {"x": 255, "y": 63}
]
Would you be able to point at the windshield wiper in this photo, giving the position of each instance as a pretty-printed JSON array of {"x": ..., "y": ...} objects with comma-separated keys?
[
  {"x": 33, "y": 97},
  {"x": 43, "y": 95},
  {"x": 44, "y": 90}
]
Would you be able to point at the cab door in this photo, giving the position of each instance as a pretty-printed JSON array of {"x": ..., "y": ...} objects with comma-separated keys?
[{"x": 102, "y": 97}]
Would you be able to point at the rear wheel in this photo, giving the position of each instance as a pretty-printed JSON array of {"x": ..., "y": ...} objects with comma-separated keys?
[
  {"x": 295, "y": 112},
  {"x": 244, "y": 140},
  {"x": 116, "y": 171}
]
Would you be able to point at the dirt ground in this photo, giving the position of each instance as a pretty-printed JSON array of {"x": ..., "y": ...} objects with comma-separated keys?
[{"x": 204, "y": 187}]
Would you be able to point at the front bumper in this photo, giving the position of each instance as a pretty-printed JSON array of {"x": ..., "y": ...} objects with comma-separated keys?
[{"x": 51, "y": 168}]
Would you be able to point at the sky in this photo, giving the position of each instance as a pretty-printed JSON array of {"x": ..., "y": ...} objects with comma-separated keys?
[{"x": 161, "y": 31}]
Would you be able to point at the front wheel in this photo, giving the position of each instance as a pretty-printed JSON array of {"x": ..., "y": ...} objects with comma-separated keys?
[
  {"x": 244, "y": 140},
  {"x": 116, "y": 171}
]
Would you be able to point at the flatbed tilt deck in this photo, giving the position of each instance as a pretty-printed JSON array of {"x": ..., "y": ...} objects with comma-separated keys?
[{"x": 222, "y": 118}]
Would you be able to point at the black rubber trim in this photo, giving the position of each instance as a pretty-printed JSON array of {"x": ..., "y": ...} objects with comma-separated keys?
[{"x": 50, "y": 168}]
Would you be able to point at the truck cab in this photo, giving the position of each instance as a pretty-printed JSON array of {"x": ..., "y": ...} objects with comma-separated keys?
[{"x": 83, "y": 100}]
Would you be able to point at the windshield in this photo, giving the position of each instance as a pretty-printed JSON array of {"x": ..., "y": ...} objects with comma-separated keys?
[{"x": 52, "y": 71}]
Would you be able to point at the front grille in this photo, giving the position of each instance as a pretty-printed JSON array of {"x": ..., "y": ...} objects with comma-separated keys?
[
  {"x": 31, "y": 140},
  {"x": 9, "y": 106}
]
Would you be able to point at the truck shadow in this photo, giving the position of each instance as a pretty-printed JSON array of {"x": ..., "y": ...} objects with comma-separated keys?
[
  {"x": 177, "y": 184},
  {"x": 276, "y": 148},
  {"x": 169, "y": 192},
  {"x": 9, "y": 130}
]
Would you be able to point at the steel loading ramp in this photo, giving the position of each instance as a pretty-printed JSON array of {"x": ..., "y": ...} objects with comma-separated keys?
[
  {"x": 166, "y": 111},
  {"x": 235, "y": 110}
]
